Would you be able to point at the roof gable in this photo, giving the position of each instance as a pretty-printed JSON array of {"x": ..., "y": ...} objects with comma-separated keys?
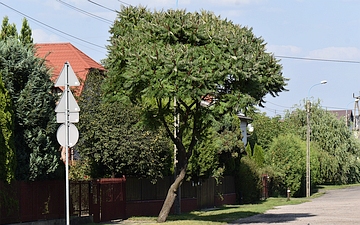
[
  {"x": 56, "y": 54},
  {"x": 347, "y": 114}
]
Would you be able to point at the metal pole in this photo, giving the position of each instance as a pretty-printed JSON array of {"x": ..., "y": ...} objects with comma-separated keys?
[
  {"x": 308, "y": 168},
  {"x": 67, "y": 144},
  {"x": 177, "y": 205},
  {"x": 308, "y": 104}
]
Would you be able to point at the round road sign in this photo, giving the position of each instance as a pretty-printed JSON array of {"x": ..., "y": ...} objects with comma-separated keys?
[{"x": 73, "y": 135}]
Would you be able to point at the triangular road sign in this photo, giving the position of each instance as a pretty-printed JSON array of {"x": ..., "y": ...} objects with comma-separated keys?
[
  {"x": 71, "y": 77},
  {"x": 73, "y": 106}
]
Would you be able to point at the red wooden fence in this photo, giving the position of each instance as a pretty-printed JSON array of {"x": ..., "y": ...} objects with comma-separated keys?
[{"x": 105, "y": 199}]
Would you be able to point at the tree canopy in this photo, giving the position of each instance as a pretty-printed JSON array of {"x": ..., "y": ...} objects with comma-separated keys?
[
  {"x": 113, "y": 141},
  {"x": 195, "y": 58},
  {"x": 28, "y": 82},
  {"x": 339, "y": 148},
  {"x": 9, "y": 31}
]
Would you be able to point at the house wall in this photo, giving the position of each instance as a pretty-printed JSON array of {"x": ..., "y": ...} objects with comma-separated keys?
[{"x": 243, "y": 126}]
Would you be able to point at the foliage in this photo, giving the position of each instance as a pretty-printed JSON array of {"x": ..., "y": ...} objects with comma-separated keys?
[
  {"x": 248, "y": 181},
  {"x": 7, "y": 30},
  {"x": 248, "y": 151},
  {"x": 25, "y": 35},
  {"x": 265, "y": 130},
  {"x": 258, "y": 155},
  {"x": 29, "y": 85},
  {"x": 218, "y": 153},
  {"x": 339, "y": 149},
  {"x": 112, "y": 140},
  {"x": 286, "y": 155},
  {"x": 80, "y": 170},
  {"x": 155, "y": 57},
  {"x": 7, "y": 148}
]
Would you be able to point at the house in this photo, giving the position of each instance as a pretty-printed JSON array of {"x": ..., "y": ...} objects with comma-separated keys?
[
  {"x": 56, "y": 54},
  {"x": 244, "y": 122},
  {"x": 346, "y": 114}
]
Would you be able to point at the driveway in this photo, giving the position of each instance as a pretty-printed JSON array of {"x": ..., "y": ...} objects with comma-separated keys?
[{"x": 335, "y": 207}]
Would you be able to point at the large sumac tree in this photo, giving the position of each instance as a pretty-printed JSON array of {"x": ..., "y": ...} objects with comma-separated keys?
[{"x": 156, "y": 57}]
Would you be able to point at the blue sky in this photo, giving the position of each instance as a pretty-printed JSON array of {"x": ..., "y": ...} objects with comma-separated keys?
[{"x": 321, "y": 29}]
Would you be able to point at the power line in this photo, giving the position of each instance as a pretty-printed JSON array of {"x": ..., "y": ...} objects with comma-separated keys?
[
  {"x": 86, "y": 13},
  {"x": 53, "y": 28},
  {"x": 317, "y": 59},
  {"x": 95, "y": 3},
  {"x": 279, "y": 105},
  {"x": 103, "y": 19},
  {"x": 124, "y": 3}
]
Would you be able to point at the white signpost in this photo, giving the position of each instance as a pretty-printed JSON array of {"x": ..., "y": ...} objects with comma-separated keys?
[{"x": 67, "y": 112}]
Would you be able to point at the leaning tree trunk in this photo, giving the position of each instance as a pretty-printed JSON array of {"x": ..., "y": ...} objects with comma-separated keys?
[{"x": 171, "y": 195}]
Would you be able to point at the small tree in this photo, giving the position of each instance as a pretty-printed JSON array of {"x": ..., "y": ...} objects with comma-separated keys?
[
  {"x": 156, "y": 57},
  {"x": 258, "y": 155}
]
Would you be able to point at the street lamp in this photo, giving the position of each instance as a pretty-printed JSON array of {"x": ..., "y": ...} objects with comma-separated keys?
[{"x": 308, "y": 104}]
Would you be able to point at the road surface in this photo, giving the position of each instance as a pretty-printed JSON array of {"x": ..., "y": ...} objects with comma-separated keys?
[{"x": 335, "y": 207}]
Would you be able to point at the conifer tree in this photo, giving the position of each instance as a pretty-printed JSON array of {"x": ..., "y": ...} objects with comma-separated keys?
[
  {"x": 25, "y": 35},
  {"x": 7, "y": 29},
  {"x": 28, "y": 82}
]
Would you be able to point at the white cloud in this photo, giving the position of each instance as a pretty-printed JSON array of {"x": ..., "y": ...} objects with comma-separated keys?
[
  {"x": 287, "y": 50},
  {"x": 340, "y": 53},
  {"x": 40, "y": 36}
]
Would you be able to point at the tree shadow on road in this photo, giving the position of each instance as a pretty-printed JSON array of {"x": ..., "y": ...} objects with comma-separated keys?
[{"x": 270, "y": 218}]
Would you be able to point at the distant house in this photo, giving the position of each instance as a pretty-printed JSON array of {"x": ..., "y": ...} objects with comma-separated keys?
[
  {"x": 56, "y": 54},
  {"x": 346, "y": 114}
]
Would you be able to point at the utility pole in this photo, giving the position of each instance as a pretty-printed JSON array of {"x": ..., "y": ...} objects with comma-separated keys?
[
  {"x": 308, "y": 106},
  {"x": 356, "y": 113}
]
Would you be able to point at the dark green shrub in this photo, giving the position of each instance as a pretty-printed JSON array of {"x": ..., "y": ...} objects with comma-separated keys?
[{"x": 248, "y": 181}]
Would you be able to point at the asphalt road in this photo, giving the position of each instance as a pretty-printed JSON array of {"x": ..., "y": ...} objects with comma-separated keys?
[{"x": 335, "y": 207}]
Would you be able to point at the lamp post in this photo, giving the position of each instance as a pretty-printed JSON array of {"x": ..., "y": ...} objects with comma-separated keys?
[{"x": 308, "y": 106}]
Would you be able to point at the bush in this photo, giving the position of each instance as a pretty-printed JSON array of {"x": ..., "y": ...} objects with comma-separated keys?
[
  {"x": 248, "y": 181},
  {"x": 286, "y": 156}
]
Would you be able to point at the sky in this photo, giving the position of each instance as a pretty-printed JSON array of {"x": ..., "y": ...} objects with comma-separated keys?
[{"x": 313, "y": 40}]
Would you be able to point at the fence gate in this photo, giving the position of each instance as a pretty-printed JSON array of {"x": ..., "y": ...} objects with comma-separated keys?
[{"x": 108, "y": 199}]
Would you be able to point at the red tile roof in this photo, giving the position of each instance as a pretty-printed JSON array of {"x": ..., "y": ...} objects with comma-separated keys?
[{"x": 56, "y": 54}]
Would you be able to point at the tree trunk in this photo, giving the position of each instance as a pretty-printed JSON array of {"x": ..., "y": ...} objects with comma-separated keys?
[{"x": 171, "y": 195}]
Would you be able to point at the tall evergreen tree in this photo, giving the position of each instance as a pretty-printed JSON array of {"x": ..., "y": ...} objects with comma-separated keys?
[
  {"x": 7, "y": 148},
  {"x": 28, "y": 82},
  {"x": 7, "y": 29},
  {"x": 25, "y": 35}
]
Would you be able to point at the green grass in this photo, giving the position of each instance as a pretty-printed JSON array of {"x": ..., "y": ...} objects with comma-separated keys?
[
  {"x": 229, "y": 213},
  {"x": 223, "y": 215}
]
